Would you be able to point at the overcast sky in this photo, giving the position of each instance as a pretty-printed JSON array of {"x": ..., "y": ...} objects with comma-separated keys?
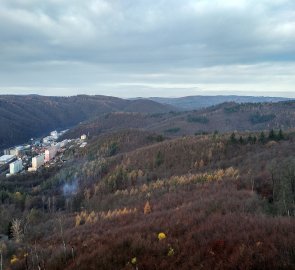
[{"x": 133, "y": 48}]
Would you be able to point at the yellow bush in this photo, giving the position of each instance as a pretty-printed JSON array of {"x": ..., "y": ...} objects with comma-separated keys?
[
  {"x": 14, "y": 259},
  {"x": 78, "y": 220},
  {"x": 170, "y": 252},
  {"x": 134, "y": 260},
  {"x": 161, "y": 236}
]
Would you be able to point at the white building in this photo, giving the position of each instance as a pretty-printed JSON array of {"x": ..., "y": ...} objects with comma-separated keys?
[
  {"x": 50, "y": 153},
  {"x": 83, "y": 137},
  {"x": 37, "y": 162},
  {"x": 13, "y": 152},
  {"x": 6, "y": 159},
  {"x": 19, "y": 150},
  {"x": 16, "y": 166},
  {"x": 6, "y": 151}
]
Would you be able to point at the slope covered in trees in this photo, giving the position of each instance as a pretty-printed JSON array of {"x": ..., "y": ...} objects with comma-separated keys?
[
  {"x": 23, "y": 117},
  {"x": 199, "y": 102},
  {"x": 220, "y": 201},
  {"x": 222, "y": 118}
]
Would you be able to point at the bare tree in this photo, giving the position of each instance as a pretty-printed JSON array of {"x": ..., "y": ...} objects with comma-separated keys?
[
  {"x": 16, "y": 230},
  {"x": 2, "y": 251},
  {"x": 61, "y": 227}
]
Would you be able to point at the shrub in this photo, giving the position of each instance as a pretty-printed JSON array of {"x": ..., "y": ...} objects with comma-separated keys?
[
  {"x": 197, "y": 119},
  {"x": 172, "y": 130},
  {"x": 261, "y": 118}
]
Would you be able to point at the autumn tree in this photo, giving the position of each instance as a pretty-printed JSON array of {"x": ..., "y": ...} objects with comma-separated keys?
[{"x": 147, "y": 208}]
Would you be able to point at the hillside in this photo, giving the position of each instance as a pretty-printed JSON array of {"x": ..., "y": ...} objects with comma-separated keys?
[
  {"x": 232, "y": 116},
  {"x": 23, "y": 117},
  {"x": 199, "y": 102},
  {"x": 221, "y": 118},
  {"x": 112, "y": 122},
  {"x": 208, "y": 202}
]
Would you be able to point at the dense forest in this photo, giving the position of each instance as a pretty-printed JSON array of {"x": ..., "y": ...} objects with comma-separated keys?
[
  {"x": 224, "y": 117},
  {"x": 200, "y": 102},
  {"x": 23, "y": 117},
  {"x": 137, "y": 199}
]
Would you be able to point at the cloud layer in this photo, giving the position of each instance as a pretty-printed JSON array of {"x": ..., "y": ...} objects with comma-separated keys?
[{"x": 102, "y": 46}]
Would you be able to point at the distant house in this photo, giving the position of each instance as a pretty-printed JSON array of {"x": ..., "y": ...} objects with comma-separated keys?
[{"x": 84, "y": 137}]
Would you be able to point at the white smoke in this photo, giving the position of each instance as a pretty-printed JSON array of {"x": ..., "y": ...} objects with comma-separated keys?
[{"x": 70, "y": 189}]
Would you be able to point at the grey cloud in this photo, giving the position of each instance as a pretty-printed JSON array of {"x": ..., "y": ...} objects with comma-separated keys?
[{"x": 57, "y": 42}]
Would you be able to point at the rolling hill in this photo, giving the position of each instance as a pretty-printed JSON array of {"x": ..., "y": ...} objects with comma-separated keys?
[
  {"x": 23, "y": 117},
  {"x": 199, "y": 102},
  {"x": 222, "y": 118},
  {"x": 195, "y": 202}
]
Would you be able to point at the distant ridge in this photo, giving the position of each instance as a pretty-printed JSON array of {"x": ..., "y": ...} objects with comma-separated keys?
[
  {"x": 224, "y": 117},
  {"x": 199, "y": 102}
]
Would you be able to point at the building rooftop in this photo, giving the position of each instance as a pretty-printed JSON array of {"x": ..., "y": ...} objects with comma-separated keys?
[{"x": 6, "y": 158}]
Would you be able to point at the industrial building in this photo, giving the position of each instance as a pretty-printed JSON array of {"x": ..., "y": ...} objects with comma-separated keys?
[
  {"x": 13, "y": 151},
  {"x": 16, "y": 166},
  {"x": 6, "y": 151},
  {"x": 5, "y": 159},
  {"x": 17, "y": 151}
]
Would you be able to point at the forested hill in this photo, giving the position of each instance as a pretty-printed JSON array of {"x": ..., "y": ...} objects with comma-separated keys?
[
  {"x": 224, "y": 117},
  {"x": 23, "y": 117},
  {"x": 199, "y": 102}
]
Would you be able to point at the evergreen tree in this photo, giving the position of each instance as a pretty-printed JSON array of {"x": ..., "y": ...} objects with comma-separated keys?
[
  {"x": 215, "y": 134},
  {"x": 250, "y": 139},
  {"x": 280, "y": 135},
  {"x": 262, "y": 137},
  {"x": 159, "y": 159},
  {"x": 254, "y": 139},
  {"x": 241, "y": 140},
  {"x": 271, "y": 135},
  {"x": 233, "y": 138}
]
